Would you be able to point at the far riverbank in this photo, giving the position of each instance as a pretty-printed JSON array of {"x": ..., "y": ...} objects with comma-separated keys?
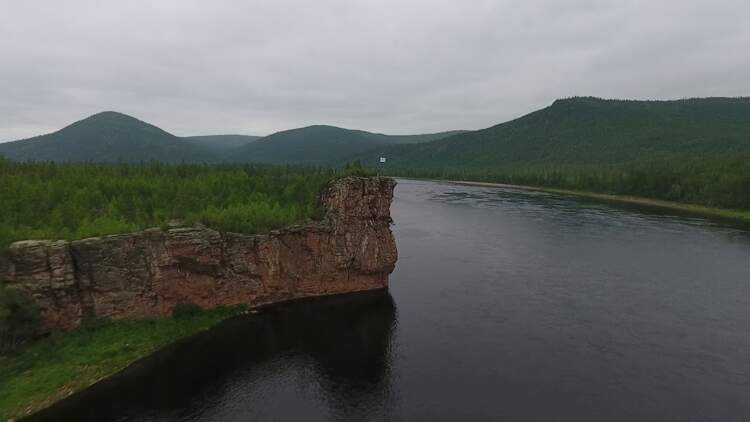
[{"x": 736, "y": 215}]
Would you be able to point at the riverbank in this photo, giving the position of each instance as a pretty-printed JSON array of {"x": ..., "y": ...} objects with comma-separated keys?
[
  {"x": 181, "y": 374},
  {"x": 63, "y": 363},
  {"x": 736, "y": 215}
]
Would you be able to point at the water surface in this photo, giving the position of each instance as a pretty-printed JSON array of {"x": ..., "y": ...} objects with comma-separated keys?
[{"x": 505, "y": 305}]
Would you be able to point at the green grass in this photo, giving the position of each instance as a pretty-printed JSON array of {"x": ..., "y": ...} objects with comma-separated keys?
[{"x": 55, "y": 367}]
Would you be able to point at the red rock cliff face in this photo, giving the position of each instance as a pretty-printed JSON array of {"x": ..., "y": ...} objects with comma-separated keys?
[{"x": 145, "y": 274}]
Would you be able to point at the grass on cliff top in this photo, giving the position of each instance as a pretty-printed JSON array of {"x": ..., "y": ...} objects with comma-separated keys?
[
  {"x": 40, "y": 200},
  {"x": 63, "y": 363}
]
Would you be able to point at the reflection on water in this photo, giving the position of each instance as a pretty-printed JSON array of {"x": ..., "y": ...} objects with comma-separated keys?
[
  {"x": 339, "y": 344},
  {"x": 512, "y": 305},
  {"x": 549, "y": 307},
  {"x": 556, "y": 208}
]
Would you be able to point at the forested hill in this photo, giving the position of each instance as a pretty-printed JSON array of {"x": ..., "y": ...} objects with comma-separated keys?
[
  {"x": 115, "y": 137},
  {"x": 322, "y": 144},
  {"x": 220, "y": 143},
  {"x": 107, "y": 137},
  {"x": 695, "y": 151},
  {"x": 592, "y": 130}
]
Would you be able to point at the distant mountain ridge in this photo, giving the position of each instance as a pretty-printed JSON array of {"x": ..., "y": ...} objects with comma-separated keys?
[
  {"x": 107, "y": 137},
  {"x": 220, "y": 142},
  {"x": 322, "y": 144},
  {"x": 592, "y": 130},
  {"x": 572, "y": 130},
  {"x": 115, "y": 137}
]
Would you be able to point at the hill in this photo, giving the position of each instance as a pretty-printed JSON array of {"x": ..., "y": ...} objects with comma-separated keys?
[
  {"x": 220, "y": 142},
  {"x": 694, "y": 151},
  {"x": 107, "y": 137},
  {"x": 322, "y": 144},
  {"x": 593, "y": 130},
  {"x": 115, "y": 137}
]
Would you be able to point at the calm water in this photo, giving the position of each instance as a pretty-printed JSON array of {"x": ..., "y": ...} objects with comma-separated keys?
[{"x": 505, "y": 305}]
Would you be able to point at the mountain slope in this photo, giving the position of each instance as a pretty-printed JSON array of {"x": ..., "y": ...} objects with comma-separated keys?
[
  {"x": 417, "y": 139},
  {"x": 592, "y": 130},
  {"x": 220, "y": 142},
  {"x": 106, "y": 137},
  {"x": 113, "y": 137},
  {"x": 321, "y": 144}
]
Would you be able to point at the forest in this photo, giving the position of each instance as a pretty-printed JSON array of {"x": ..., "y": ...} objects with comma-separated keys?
[
  {"x": 42, "y": 200},
  {"x": 722, "y": 182}
]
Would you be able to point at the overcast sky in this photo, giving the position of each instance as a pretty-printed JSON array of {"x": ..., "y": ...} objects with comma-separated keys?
[{"x": 402, "y": 66}]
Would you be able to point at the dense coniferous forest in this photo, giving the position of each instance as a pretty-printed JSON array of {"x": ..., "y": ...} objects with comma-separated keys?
[{"x": 73, "y": 201}]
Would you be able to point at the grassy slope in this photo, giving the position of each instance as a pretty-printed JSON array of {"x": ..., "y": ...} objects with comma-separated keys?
[{"x": 64, "y": 363}]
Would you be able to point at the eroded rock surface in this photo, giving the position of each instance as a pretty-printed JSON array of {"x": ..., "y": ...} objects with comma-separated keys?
[{"x": 145, "y": 274}]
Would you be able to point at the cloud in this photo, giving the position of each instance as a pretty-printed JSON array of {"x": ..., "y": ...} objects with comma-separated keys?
[{"x": 195, "y": 67}]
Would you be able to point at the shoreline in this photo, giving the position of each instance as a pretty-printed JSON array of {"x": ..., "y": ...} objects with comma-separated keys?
[
  {"x": 698, "y": 210},
  {"x": 65, "y": 364},
  {"x": 192, "y": 329}
]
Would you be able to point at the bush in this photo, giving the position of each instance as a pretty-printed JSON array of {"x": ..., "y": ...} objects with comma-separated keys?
[
  {"x": 186, "y": 310},
  {"x": 19, "y": 319}
]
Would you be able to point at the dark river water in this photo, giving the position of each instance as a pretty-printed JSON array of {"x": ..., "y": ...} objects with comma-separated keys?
[{"x": 505, "y": 305}]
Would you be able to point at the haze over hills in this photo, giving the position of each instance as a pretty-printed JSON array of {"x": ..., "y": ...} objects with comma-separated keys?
[
  {"x": 592, "y": 130},
  {"x": 322, "y": 144}
]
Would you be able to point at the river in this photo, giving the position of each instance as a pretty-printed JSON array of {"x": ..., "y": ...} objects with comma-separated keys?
[{"x": 505, "y": 305}]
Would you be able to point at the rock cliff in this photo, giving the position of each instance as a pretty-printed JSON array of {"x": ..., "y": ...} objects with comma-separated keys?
[{"x": 145, "y": 274}]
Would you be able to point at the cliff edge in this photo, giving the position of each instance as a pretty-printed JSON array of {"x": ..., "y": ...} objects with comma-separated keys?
[{"x": 145, "y": 274}]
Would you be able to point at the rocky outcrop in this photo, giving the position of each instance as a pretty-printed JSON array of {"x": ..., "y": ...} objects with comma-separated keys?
[{"x": 145, "y": 274}]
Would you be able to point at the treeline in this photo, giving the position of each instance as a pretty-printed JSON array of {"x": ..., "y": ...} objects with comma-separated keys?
[
  {"x": 73, "y": 201},
  {"x": 715, "y": 182}
]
